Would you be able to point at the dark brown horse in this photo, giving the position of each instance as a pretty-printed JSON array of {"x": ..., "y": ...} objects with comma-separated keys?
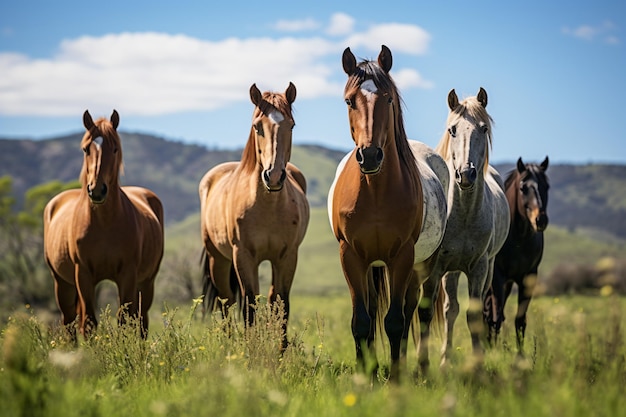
[
  {"x": 387, "y": 208},
  {"x": 254, "y": 210},
  {"x": 526, "y": 189},
  {"x": 103, "y": 231}
]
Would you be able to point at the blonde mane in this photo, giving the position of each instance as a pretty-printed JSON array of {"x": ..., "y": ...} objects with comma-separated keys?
[{"x": 468, "y": 108}]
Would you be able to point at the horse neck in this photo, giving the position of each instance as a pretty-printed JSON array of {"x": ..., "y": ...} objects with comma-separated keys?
[{"x": 106, "y": 211}]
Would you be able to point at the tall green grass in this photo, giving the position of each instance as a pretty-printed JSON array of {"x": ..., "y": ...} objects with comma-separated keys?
[{"x": 575, "y": 364}]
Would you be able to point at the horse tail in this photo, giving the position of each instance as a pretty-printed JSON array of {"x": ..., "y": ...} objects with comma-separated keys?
[{"x": 379, "y": 296}]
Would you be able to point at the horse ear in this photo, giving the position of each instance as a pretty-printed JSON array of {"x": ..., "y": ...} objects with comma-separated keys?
[
  {"x": 453, "y": 100},
  {"x": 544, "y": 164},
  {"x": 255, "y": 95},
  {"x": 521, "y": 167},
  {"x": 87, "y": 120},
  {"x": 349, "y": 61},
  {"x": 385, "y": 60},
  {"x": 482, "y": 97},
  {"x": 115, "y": 119},
  {"x": 290, "y": 93}
]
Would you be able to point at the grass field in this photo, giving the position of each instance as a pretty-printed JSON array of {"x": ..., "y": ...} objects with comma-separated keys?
[
  {"x": 575, "y": 362},
  {"x": 575, "y": 365}
]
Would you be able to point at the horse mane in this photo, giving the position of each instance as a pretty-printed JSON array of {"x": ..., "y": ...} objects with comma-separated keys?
[
  {"x": 370, "y": 70},
  {"x": 271, "y": 101},
  {"x": 473, "y": 108},
  {"x": 104, "y": 129}
]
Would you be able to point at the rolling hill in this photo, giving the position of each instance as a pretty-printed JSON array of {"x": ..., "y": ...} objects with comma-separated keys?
[{"x": 591, "y": 198}]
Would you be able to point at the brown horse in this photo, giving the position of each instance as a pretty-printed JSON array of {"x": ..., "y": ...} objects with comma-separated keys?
[
  {"x": 103, "y": 231},
  {"x": 255, "y": 210},
  {"x": 387, "y": 208}
]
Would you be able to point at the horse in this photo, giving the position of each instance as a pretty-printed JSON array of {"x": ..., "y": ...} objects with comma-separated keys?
[
  {"x": 254, "y": 210},
  {"x": 103, "y": 231},
  {"x": 387, "y": 209},
  {"x": 526, "y": 189},
  {"x": 477, "y": 224}
]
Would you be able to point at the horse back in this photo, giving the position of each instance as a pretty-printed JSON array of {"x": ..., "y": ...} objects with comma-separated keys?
[{"x": 435, "y": 179}]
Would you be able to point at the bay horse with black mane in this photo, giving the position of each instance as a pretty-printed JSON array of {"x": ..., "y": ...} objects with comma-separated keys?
[
  {"x": 254, "y": 210},
  {"x": 103, "y": 231},
  {"x": 387, "y": 209},
  {"x": 526, "y": 189}
]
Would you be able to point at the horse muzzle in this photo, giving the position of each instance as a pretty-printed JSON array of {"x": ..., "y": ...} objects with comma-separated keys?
[
  {"x": 541, "y": 222},
  {"x": 97, "y": 197},
  {"x": 466, "y": 177},
  {"x": 272, "y": 184},
  {"x": 370, "y": 159}
]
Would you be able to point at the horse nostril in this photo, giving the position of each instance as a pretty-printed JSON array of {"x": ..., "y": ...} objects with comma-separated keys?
[
  {"x": 379, "y": 155},
  {"x": 359, "y": 156},
  {"x": 283, "y": 176},
  {"x": 266, "y": 176},
  {"x": 457, "y": 175},
  {"x": 472, "y": 174}
]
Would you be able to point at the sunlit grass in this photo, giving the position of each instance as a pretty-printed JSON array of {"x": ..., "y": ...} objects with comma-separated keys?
[{"x": 575, "y": 364}]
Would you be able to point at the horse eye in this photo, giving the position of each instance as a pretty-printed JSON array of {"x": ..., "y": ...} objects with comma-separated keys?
[
  {"x": 452, "y": 131},
  {"x": 258, "y": 130},
  {"x": 390, "y": 100},
  {"x": 524, "y": 188},
  {"x": 86, "y": 151},
  {"x": 349, "y": 102},
  {"x": 485, "y": 129}
]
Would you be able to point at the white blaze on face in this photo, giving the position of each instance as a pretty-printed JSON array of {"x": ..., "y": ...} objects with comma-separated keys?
[
  {"x": 368, "y": 89},
  {"x": 98, "y": 141},
  {"x": 276, "y": 116}
]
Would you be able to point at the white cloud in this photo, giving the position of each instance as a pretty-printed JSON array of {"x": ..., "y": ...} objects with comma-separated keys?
[
  {"x": 604, "y": 32},
  {"x": 340, "y": 24},
  {"x": 155, "y": 73},
  {"x": 400, "y": 38},
  {"x": 409, "y": 78},
  {"x": 296, "y": 25}
]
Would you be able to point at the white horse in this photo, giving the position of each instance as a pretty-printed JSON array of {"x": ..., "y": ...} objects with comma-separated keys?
[{"x": 478, "y": 220}]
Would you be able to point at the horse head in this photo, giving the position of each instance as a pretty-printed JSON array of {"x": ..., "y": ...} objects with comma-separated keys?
[
  {"x": 370, "y": 96},
  {"x": 272, "y": 126},
  {"x": 468, "y": 138},
  {"x": 533, "y": 193},
  {"x": 102, "y": 156}
]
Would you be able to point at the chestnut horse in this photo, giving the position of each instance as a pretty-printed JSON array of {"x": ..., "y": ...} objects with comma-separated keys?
[
  {"x": 387, "y": 209},
  {"x": 478, "y": 220},
  {"x": 103, "y": 231},
  {"x": 526, "y": 189},
  {"x": 255, "y": 210}
]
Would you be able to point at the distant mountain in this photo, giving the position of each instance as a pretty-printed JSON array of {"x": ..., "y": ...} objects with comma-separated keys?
[{"x": 588, "y": 197}]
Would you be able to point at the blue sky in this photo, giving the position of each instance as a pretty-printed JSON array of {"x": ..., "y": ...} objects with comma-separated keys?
[{"x": 553, "y": 71}]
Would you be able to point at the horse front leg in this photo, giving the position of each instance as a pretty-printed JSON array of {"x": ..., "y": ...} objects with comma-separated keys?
[
  {"x": 363, "y": 325},
  {"x": 476, "y": 281},
  {"x": 451, "y": 282},
  {"x": 283, "y": 272},
  {"x": 86, "y": 288},
  {"x": 67, "y": 299},
  {"x": 247, "y": 268},
  {"x": 524, "y": 295},
  {"x": 397, "y": 321},
  {"x": 129, "y": 297}
]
